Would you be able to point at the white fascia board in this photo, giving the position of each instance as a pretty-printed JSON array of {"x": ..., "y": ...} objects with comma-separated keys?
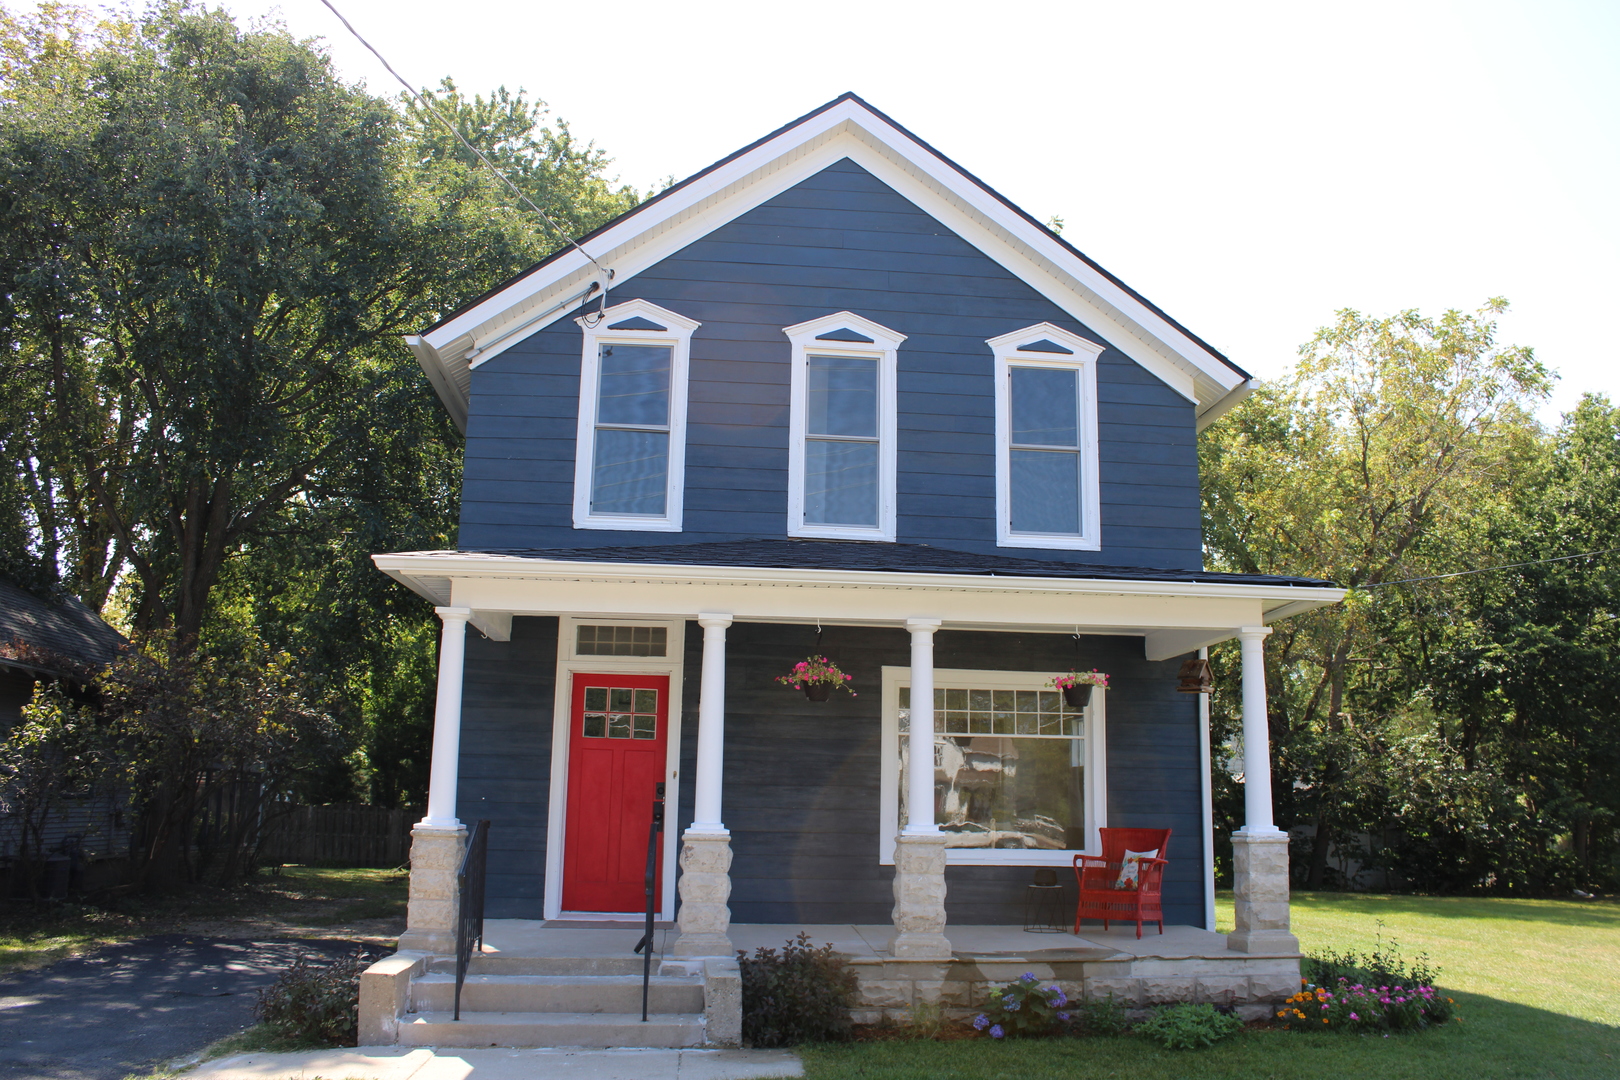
[
  {"x": 454, "y": 398},
  {"x": 849, "y": 130},
  {"x": 1224, "y": 405},
  {"x": 503, "y": 582}
]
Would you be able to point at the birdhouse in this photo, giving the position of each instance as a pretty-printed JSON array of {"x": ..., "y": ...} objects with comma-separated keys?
[{"x": 1195, "y": 677}]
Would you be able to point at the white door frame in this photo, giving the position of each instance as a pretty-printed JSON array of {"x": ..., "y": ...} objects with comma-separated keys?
[{"x": 568, "y": 665}]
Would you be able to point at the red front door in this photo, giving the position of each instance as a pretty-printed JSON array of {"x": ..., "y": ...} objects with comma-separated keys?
[{"x": 618, "y": 730}]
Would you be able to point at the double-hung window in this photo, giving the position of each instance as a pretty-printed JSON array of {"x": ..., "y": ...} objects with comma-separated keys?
[
  {"x": 1046, "y": 439},
  {"x": 630, "y": 451},
  {"x": 841, "y": 453}
]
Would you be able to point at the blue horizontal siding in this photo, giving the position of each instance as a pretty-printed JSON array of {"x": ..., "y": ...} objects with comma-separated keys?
[{"x": 840, "y": 240}]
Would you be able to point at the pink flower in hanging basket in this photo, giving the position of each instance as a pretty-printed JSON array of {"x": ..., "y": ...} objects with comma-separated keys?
[
  {"x": 814, "y": 670},
  {"x": 1080, "y": 678}
]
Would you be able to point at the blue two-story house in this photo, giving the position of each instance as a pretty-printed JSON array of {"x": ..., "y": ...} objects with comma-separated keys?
[{"x": 831, "y": 396}]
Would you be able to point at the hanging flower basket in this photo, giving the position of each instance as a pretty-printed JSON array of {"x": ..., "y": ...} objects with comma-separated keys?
[
  {"x": 817, "y": 676},
  {"x": 1076, "y": 686}
]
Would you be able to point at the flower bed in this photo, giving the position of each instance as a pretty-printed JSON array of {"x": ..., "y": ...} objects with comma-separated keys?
[{"x": 1354, "y": 1006}]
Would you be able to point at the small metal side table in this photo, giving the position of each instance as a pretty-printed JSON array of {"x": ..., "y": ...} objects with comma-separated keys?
[{"x": 1043, "y": 904}]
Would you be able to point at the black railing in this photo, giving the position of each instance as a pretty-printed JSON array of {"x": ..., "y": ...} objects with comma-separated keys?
[
  {"x": 470, "y": 904},
  {"x": 645, "y": 945}
]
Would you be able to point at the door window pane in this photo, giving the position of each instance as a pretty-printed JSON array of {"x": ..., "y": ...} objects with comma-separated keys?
[
  {"x": 634, "y": 385},
  {"x": 843, "y": 396},
  {"x": 1045, "y": 491},
  {"x": 620, "y": 713},
  {"x": 631, "y": 471},
  {"x": 840, "y": 483},
  {"x": 1045, "y": 409}
]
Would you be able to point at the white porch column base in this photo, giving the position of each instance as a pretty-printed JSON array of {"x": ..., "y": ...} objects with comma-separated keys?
[
  {"x": 919, "y": 898},
  {"x": 431, "y": 911},
  {"x": 1260, "y": 888},
  {"x": 705, "y": 887}
]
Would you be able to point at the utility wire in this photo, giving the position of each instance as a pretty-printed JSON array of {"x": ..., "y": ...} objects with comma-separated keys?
[
  {"x": 421, "y": 99},
  {"x": 1488, "y": 569}
]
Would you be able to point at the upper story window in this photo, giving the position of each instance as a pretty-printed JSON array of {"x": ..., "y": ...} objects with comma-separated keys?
[
  {"x": 630, "y": 453},
  {"x": 1046, "y": 439},
  {"x": 841, "y": 442}
]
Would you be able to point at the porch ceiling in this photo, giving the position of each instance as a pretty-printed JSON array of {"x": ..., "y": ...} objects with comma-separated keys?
[{"x": 1175, "y": 616}]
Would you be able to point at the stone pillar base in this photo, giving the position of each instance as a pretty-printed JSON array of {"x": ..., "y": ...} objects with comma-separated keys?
[
  {"x": 1260, "y": 888},
  {"x": 433, "y": 907},
  {"x": 919, "y": 899},
  {"x": 705, "y": 887}
]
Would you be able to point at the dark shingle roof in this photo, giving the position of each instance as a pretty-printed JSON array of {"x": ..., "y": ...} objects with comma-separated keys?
[
  {"x": 882, "y": 557},
  {"x": 62, "y": 627}
]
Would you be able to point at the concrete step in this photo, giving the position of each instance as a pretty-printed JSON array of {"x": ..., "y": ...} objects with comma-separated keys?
[
  {"x": 498, "y": 964},
  {"x": 551, "y": 1029},
  {"x": 557, "y": 993}
]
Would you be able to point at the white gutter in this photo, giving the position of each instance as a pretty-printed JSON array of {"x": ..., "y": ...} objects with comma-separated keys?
[{"x": 473, "y": 565}]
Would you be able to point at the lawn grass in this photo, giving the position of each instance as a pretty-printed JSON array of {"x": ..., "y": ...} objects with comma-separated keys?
[
  {"x": 35, "y": 934},
  {"x": 1535, "y": 980}
]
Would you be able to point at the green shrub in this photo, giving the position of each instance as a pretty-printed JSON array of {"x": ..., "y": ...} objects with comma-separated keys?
[
  {"x": 801, "y": 994},
  {"x": 315, "y": 1003},
  {"x": 1382, "y": 965},
  {"x": 1100, "y": 1016},
  {"x": 1188, "y": 1026}
]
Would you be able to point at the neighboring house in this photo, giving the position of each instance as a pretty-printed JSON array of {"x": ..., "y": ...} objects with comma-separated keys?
[
  {"x": 839, "y": 398},
  {"x": 56, "y": 639}
]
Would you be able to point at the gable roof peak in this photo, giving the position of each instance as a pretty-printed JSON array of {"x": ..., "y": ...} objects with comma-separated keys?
[{"x": 846, "y": 127}]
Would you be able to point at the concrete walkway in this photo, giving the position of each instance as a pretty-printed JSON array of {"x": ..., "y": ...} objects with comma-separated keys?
[{"x": 402, "y": 1063}]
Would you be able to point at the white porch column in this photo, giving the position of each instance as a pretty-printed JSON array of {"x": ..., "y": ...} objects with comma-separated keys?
[
  {"x": 1259, "y": 849},
  {"x": 705, "y": 884},
  {"x": 436, "y": 841},
  {"x": 919, "y": 851}
]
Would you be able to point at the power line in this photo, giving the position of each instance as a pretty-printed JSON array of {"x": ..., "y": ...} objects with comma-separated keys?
[
  {"x": 1488, "y": 569},
  {"x": 421, "y": 99}
]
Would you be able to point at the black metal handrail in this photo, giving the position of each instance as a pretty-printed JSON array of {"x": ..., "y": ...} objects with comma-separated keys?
[
  {"x": 645, "y": 945},
  {"x": 470, "y": 904}
]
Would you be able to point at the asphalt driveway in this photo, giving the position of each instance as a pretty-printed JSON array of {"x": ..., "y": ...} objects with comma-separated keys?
[{"x": 129, "y": 1008}]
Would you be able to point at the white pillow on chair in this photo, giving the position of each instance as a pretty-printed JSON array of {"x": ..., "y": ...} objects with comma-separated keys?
[{"x": 1130, "y": 868}]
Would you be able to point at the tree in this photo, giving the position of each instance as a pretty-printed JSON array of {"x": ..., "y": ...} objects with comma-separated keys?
[
  {"x": 1388, "y": 453},
  {"x": 212, "y": 249}
]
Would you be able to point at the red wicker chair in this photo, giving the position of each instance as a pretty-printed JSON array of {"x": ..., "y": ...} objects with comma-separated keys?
[{"x": 1097, "y": 876}]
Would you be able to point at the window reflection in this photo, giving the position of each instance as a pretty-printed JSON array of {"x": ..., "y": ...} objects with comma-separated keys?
[{"x": 1009, "y": 769}]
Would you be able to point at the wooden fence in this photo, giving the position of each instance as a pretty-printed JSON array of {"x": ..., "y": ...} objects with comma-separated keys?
[{"x": 342, "y": 834}]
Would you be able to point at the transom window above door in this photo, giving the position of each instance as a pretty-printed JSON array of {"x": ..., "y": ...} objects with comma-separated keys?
[
  {"x": 841, "y": 446},
  {"x": 1046, "y": 439},
  {"x": 631, "y": 446},
  {"x": 616, "y": 712}
]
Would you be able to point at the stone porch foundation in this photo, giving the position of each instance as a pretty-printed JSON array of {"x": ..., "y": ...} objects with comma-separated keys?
[{"x": 1254, "y": 985}]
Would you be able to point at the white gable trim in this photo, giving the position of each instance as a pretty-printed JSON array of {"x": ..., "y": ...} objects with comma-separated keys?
[{"x": 846, "y": 129}]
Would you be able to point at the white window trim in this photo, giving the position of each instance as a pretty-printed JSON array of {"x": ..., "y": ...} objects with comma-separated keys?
[
  {"x": 1096, "y": 736},
  {"x": 568, "y": 665},
  {"x": 1008, "y": 352},
  {"x": 678, "y": 336},
  {"x": 885, "y": 349}
]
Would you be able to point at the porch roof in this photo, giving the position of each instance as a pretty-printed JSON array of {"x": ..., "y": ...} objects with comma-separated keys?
[
  {"x": 1177, "y": 611},
  {"x": 873, "y": 557}
]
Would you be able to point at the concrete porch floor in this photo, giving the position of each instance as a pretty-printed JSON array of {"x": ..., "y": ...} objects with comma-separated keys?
[{"x": 561, "y": 938}]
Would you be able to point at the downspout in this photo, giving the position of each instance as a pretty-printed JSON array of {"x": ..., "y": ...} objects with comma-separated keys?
[{"x": 1205, "y": 784}]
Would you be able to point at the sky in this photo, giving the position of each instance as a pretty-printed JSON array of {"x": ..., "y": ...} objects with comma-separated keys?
[{"x": 1249, "y": 167}]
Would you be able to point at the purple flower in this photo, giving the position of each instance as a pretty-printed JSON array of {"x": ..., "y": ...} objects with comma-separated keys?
[
  {"x": 1028, "y": 976},
  {"x": 1011, "y": 1004},
  {"x": 1062, "y": 1016},
  {"x": 1353, "y": 1016},
  {"x": 1058, "y": 997},
  {"x": 981, "y": 1022},
  {"x": 997, "y": 1033}
]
